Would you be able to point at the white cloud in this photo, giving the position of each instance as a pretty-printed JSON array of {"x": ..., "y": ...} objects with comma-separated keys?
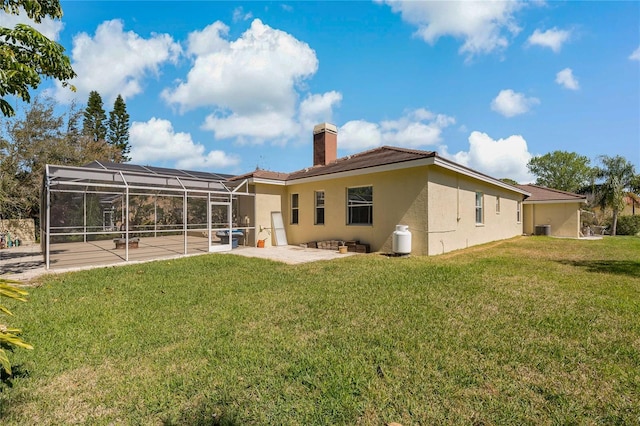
[
  {"x": 510, "y": 103},
  {"x": 358, "y": 135},
  {"x": 483, "y": 25},
  {"x": 502, "y": 158},
  {"x": 240, "y": 15},
  {"x": 417, "y": 129},
  {"x": 251, "y": 82},
  {"x": 155, "y": 141},
  {"x": 208, "y": 40},
  {"x": 115, "y": 62},
  {"x": 317, "y": 108},
  {"x": 48, "y": 27},
  {"x": 254, "y": 128},
  {"x": 635, "y": 56},
  {"x": 553, "y": 38},
  {"x": 566, "y": 79}
]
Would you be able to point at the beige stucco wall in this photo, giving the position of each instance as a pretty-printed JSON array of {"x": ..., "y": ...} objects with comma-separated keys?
[
  {"x": 399, "y": 197},
  {"x": 438, "y": 205},
  {"x": 452, "y": 221},
  {"x": 564, "y": 218},
  {"x": 268, "y": 198}
]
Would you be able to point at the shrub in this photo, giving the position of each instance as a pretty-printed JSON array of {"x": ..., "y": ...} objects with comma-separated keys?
[{"x": 628, "y": 225}]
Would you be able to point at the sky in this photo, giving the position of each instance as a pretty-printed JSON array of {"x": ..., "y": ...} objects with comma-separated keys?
[{"x": 229, "y": 87}]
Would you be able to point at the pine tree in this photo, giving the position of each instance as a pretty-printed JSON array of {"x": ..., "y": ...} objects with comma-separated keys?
[
  {"x": 94, "y": 118},
  {"x": 118, "y": 133}
]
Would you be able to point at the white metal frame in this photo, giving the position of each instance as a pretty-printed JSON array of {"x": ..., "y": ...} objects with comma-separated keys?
[{"x": 127, "y": 180}]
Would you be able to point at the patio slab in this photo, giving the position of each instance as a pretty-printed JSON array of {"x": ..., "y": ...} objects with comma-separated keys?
[
  {"x": 26, "y": 263},
  {"x": 289, "y": 254}
]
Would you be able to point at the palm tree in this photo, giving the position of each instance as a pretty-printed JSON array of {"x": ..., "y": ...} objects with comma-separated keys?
[{"x": 618, "y": 176}]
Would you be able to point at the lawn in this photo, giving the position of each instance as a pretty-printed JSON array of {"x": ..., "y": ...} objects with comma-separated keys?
[{"x": 529, "y": 331}]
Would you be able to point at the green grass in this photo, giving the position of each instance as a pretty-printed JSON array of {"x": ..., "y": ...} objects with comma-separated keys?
[{"x": 529, "y": 331}]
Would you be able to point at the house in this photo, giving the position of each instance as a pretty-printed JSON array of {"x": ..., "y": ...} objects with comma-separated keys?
[
  {"x": 362, "y": 197},
  {"x": 631, "y": 205},
  {"x": 558, "y": 211}
]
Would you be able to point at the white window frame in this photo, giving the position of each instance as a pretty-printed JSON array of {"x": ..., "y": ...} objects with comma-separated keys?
[
  {"x": 519, "y": 212},
  {"x": 359, "y": 204},
  {"x": 497, "y": 204},
  {"x": 318, "y": 206},
  {"x": 295, "y": 209},
  {"x": 479, "y": 210}
]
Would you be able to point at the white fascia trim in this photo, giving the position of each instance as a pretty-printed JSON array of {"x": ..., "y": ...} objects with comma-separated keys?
[
  {"x": 450, "y": 165},
  {"x": 430, "y": 161},
  {"x": 364, "y": 171},
  {"x": 555, "y": 202},
  {"x": 267, "y": 181}
]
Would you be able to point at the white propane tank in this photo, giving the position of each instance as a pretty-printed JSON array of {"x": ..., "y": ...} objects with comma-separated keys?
[{"x": 401, "y": 240}]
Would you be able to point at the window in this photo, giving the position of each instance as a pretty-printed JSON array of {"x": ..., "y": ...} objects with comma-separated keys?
[
  {"x": 360, "y": 205},
  {"x": 497, "y": 205},
  {"x": 294, "y": 209},
  {"x": 518, "y": 211},
  {"x": 319, "y": 207},
  {"x": 479, "y": 208}
]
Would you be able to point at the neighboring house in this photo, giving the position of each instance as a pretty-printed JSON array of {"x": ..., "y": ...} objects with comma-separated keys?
[
  {"x": 559, "y": 210},
  {"x": 631, "y": 205},
  {"x": 631, "y": 208},
  {"x": 364, "y": 196}
]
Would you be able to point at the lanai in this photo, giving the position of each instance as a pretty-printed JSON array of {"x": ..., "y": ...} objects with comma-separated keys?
[{"x": 124, "y": 212}]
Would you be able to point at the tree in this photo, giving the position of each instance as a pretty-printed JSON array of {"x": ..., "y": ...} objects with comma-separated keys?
[
  {"x": 118, "y": 133},
  {"x": 94, "y": 118},
  {"x": 566, "y": 171},
  {"x": 26, "y": 55},
  {"x": 618, "y": 176},
  {"x": 509, "y": 181},
  {"x": 41, "y": 136}
]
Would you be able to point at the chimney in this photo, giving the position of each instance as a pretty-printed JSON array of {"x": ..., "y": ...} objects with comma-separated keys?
[{"x": 325, "y": 144}]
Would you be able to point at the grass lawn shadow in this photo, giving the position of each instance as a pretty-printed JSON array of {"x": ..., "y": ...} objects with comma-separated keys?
[
  {"x": 6, "y": 379},
  {"x": 618, "y": 267},
  {"x": 204, "y": 414}
]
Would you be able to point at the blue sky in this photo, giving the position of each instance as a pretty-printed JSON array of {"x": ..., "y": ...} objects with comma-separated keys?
[{"x": 231, "y": 86}]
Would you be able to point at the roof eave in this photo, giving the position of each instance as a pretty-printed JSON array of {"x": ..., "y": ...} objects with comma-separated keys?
[
  {"x": 450, "y": 165},
  {"x": 579, "y": 201}
]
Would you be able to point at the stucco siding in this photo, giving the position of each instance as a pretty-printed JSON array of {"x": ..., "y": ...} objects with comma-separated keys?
[
  {"x": 399, "y": 197},
  {"x": 438, "y": 205},
  {"x": 268, "y": 198},
  {"x": 452, "y": 212},
  {"x": 564, "y": 218}
]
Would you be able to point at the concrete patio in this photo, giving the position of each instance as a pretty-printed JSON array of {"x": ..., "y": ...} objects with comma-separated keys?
[{"x": 25, "y": 263}]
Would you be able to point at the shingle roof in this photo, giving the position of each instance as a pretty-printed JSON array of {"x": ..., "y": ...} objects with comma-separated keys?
[
  {"x": 382, "y": 156},
  {"x": 375, "y": 157},
  {"x": 261, "y": 174},
  {"x": 541, "y": 193}
]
